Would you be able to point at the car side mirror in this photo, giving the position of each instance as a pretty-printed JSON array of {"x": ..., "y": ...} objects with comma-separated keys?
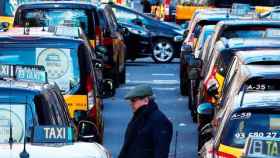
[
  {"x": 97, "y": 64},
  {"x": 88, "y": 132},
  {"x": 79, "y": 115},
  {"x": 205, "y": 114},
  {"x": 195, "y": 62},
  {"x": 4, "y": 26},
  {"x": 194, "y": 73},
  {"x": 108, "y": 89},
  {"x": 186, "y": 49},
  {"x": 212, "y": 90}
]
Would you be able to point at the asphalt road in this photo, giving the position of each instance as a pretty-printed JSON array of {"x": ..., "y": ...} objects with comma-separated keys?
[{"x": 164, "y": 79}]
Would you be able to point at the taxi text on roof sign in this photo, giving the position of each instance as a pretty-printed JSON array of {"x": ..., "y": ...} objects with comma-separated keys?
[
  {"x": 52, "y": 134},
  {"x": 34, "y": 73}
]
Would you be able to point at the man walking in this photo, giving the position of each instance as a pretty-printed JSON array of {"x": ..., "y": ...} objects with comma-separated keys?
[{"x": 149, "y": 132}]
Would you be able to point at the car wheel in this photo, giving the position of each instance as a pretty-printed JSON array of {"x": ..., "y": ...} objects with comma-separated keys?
[{"x": 163, "y": 51}]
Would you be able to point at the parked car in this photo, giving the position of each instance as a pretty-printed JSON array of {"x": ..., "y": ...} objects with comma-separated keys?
[
  {"x": 34, "y": 115},
  {"x": 137, "y": 39},
  {"x": 166, "y": 37},
  {"x": 68, "y": 61},
  {"x": 248, "y": 108},
  {"x": 97, "y": 22}
]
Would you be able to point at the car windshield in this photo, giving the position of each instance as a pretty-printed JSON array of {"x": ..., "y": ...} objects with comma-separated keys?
[
  {"x": 244, "y": 124},
  {"x": 12, "y": 116},
  {"x": 61, "y": 64},
  {"x": 54, "y": 17}
]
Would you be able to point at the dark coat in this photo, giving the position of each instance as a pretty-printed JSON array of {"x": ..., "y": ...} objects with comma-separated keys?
[{"x": 148, "y": 134}]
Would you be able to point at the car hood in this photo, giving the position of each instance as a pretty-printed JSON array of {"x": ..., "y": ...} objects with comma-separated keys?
[{"x": 75, "y": 150}]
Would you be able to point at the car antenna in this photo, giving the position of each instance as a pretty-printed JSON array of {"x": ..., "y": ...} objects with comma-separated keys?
[
  {"x": 11, "y": 140},
  {"x": 24, "y": 153}
]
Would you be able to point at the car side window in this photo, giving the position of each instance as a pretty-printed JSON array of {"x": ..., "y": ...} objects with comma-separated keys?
[
  {"x": 58, "y": 108},
  {"x": 221, "y": 67},
  {"x": 42, "y": 109},
  {"x": 63, "y": 106},
  {"x": 123, "y": 15},
  {"x": 54, "y": 108}
]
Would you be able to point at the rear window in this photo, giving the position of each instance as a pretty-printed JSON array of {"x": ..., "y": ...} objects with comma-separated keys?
[
  {"x": 245, "y": 32},
  {"x": 257, "y": 84},
  {"x": 54, "y": 17},
  {"x": 61, "y": 64},
  {"x": 244, "y": 124}
]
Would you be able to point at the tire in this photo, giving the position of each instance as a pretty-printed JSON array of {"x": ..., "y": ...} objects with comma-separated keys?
[{"x": 163, "y": 51}]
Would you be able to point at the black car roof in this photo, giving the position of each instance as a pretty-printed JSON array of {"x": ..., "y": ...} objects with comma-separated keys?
[{"x": 58, "y": 4}]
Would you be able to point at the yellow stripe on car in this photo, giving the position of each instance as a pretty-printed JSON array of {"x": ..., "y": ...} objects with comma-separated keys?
[{"x": 231, "y": 150}]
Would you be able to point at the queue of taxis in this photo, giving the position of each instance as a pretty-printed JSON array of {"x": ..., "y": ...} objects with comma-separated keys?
[
  {"x": 68, "y": 61},
  {"x": 97, "y": 21},
  {"x": 34, "y": 118},
  {"x": 231, "y": 72}
]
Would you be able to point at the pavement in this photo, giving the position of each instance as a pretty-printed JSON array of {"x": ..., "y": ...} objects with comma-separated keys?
[{"x": 164, "y": 79}]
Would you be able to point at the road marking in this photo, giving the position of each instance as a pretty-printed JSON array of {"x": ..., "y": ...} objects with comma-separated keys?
[
  {"x": 154, "y": 88},
  {"x": 158, "y": 82},
  {"x": 163, "y": 74},
  {"x": 182, "y": 124}
]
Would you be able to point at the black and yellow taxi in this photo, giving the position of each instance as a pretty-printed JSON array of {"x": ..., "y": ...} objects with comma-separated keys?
[
  {"x": 233, "y": 29},
  {"x": 249, "y": 108},
  {"x": 7, "y": 9},
  {"x": 68, "y": 61},
  {"x": 200, "y": 19},
  {"x": 260, "y": 56},
  {"x": 97, "y": 21},
  {"x": 213, "y": 72},
  {"x": 34, "y": 118}
]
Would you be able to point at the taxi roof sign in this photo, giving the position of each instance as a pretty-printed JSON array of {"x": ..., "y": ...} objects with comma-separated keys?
[
  {"x": 262, "y": 147},
  {"x": 33, "y": 73},
  {"x": 52, "y": 134},
  {"x": 67, "y": 31},
  {"x": 240, "y": 9},
  {"x": 272, "y": 32}
]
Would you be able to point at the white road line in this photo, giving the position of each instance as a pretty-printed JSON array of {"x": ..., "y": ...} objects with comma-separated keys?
[
  {"x": 154, "y": 88},
  {"x": 157, "y": 82},
  {"x": 163, "y": 74}
]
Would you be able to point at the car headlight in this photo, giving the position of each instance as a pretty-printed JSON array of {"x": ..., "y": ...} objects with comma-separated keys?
[
  {"x": 138, "y": 32},
  {"x": 178, "y": 38}
]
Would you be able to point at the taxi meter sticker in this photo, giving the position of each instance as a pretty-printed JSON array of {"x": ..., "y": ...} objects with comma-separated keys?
[
  {"x": 56, "y": 62},
  {"x": 14, "y": 117}
]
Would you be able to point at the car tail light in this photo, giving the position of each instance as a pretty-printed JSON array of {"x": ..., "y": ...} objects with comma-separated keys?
[
  {"x": 191, "y": 40},
  {"x": 98, "y": 35},
  {"x": 90, "y": 96},
  {"x": 209, "y": 82}
]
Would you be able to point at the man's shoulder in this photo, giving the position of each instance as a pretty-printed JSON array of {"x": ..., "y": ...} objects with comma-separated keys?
[{"x": 159, "y": 116}]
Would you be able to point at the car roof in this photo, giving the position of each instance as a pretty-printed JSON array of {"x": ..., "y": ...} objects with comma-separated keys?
[
  {"x": 25, "y": 87},
  {"x": 57, "y": 4},
  {"x": 266, "y": 71},
  {"x": 248, "y": 22},
  {"x": 36, "y": 35},
  {"x": 258, "y": 55},
  {"x": 235, "y": 43}
]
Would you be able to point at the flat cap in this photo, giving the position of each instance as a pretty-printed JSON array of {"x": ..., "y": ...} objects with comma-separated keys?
[{"x": 139, "y": 91}]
